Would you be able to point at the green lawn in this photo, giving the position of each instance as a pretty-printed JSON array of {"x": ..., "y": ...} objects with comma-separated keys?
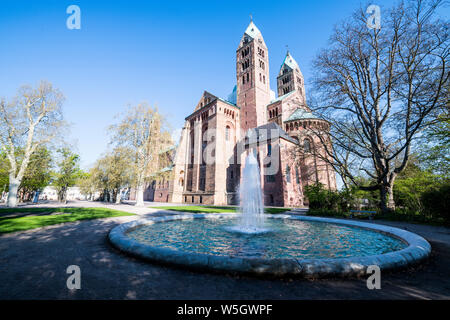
[
  {"x": 12, "y": 224},
  {"x": 213, "y": 209}
]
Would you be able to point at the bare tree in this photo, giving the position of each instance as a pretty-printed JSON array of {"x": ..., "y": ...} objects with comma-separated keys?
[
  {"x": 379, "y": 88},
  {"x": 34, "y": 118},
  {"x": 143, "y": 131}
]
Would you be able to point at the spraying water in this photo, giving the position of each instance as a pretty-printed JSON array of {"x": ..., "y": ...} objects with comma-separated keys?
[{"x": 252, "y": 207}]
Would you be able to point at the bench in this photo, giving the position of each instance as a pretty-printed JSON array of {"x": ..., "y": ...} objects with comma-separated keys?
[{"x": 362, "y": 213}]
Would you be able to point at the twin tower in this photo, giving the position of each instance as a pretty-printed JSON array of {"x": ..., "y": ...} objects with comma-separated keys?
[
  {"x": 253, "y": 93},
  {"x": 207, "y": 166}
]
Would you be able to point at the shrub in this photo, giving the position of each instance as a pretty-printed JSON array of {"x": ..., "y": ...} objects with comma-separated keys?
[
  {"x": 321, "y": 198},
  {"x": 424, "y": 199},
  {"x": 436, "y": 202}
]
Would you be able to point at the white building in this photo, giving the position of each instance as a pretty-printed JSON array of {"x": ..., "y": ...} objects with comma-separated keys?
[{"x": 50, "y": 193}]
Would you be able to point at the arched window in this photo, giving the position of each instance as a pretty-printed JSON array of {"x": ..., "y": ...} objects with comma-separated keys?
[
  {"x": 288, "y": 174},
  {"x": 307, "y": 145},
  {"x": 227, "y": 133}
]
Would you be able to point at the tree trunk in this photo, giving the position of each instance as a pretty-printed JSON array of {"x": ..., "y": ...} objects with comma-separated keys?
[
  {"x": 63, "y": 195},
  {"x": 391, "y": 201},
  {"x": 387, "y": 198},
  {"x": 118, "y": 199},
  {"x": 12, "y": 194},
  {"x": 140, "y": 196}
]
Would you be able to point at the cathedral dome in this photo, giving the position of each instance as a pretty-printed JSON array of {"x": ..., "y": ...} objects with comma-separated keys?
[{"x": 232, "y": 97}]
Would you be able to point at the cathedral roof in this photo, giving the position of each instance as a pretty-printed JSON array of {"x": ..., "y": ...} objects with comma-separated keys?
[
  {"x": 281, "y": 97},
  {"x": 253, "y": 31},
  {"x": 200, "y": 106},
  {"x": 165, "y": 169},
  {"x": 289, "y": 62},
  {"x": 301, "y": 114},
  {"x": 228, "y": 102},
  {"x": 267, "y": 134}
]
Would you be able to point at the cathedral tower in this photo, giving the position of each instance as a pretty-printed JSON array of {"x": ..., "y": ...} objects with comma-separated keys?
[
  {"x": 290, "y": 78},
  {"x": 252, "y": 73}
]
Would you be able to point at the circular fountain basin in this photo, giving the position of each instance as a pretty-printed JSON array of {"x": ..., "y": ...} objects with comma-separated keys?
[{"x": 291, "y": 246}]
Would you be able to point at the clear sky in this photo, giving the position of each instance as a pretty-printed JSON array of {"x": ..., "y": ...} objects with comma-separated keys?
[{"x": 163, "y": 52}]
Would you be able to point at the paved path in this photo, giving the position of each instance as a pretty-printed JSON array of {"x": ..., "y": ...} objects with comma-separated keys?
[{"x": 33, "y": 266}]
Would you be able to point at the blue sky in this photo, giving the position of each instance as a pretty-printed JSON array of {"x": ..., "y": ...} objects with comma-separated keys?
[{"x": 163, "y": 52}]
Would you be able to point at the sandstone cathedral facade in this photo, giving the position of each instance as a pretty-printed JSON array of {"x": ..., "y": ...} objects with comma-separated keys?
[{"x": 206, "y": 165}]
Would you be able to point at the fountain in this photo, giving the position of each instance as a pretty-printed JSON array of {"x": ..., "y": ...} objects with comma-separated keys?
[
  {"x": 296, "y": 245},
  {"x": 251, "y": 200}
]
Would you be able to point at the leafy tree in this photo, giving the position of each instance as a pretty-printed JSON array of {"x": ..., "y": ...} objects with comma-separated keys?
[
  {"x": 33, "y": 119},
  {"x": 38, "y": 173},
  {"x": 437, "y": 201},
  {"x": 111, "y": 173},
  {"x": 435, "y": 145},
  {"x": 119, "y": 171},
  {"x": 68, "y": 172},
  {"x": 142, "y": 131},
  {"x": 418, "y": 190},
  {"x": 411, "y": 184},
  {"x": 4, "y": 172},
  {"x": 87, "y": 185},
  {"x": 321, "y": 198}
]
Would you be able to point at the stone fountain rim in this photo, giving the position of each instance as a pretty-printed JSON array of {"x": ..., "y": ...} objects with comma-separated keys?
[{"x": 418, "y": 249}]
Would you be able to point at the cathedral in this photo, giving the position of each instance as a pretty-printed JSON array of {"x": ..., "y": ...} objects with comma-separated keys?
[{"x": 206, "y": 165}]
